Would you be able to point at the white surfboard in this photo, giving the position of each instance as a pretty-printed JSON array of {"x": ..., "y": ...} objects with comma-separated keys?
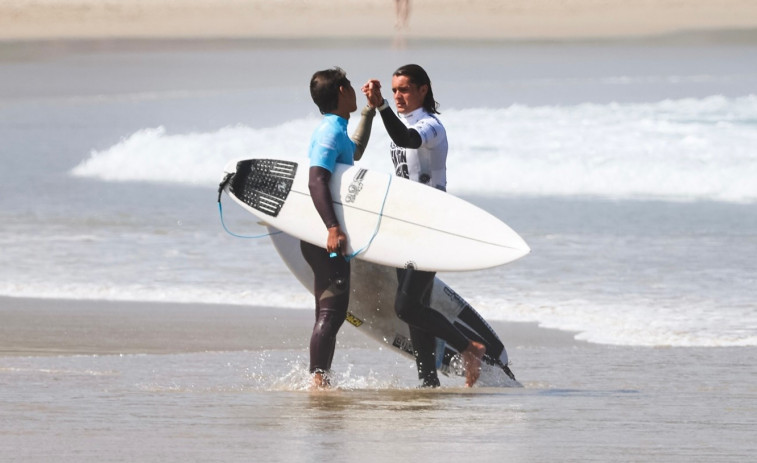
[
  {"x": 371, "y": 311},
  {"x": 388, "y": 220}
]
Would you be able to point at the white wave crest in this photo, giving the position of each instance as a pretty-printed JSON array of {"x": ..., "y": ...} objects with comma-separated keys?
[{"x": 689, "y": 149}]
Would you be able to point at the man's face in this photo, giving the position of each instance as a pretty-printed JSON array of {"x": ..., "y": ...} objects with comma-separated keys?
[
  {"x": 348, "y": 92},
  {"x": 407, "y": 96}
]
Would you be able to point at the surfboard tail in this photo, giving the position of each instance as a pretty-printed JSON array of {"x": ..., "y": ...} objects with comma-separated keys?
[{"x": 263, "y": 184}]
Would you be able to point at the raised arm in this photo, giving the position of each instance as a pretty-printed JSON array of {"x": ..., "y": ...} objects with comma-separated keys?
[{"x": 362, "y": 133}]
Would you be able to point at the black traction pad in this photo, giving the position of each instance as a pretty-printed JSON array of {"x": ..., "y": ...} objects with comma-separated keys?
[{"x": 263, "y": 184}]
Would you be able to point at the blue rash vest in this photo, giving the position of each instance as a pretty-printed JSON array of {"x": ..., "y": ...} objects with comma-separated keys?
[{"x": 330, "y": 144}]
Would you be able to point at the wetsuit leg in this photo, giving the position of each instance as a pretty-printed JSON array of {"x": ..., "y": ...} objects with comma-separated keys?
[
  {"x": 424, "y": 343},
  {"x": 332, "y": 293},
  {"x": 412, "y": 306},
  {"x": 424, "y": 349}
]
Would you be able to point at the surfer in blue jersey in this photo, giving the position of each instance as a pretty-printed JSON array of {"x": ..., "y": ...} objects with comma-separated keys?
[
  {"x": 330, "y": 144},
  {"x": 419, "y": 153}
]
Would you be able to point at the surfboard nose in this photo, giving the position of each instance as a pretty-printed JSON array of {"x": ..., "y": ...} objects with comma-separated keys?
[{"x": 524, "y": 247}]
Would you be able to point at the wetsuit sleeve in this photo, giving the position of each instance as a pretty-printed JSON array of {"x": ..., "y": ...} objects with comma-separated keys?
[
  {"x": 318, "y": 183},
  {"x": 400, "y": 135},
  {"x": 362, "y": 133}
]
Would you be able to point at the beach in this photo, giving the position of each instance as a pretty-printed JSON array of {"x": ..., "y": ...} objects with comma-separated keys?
[
  {"x": 472, "y": 19},
  {"x": 616, "y": 137}
]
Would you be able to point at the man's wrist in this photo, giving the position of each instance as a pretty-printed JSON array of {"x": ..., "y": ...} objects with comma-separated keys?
[{"x": 384, "y": 105}]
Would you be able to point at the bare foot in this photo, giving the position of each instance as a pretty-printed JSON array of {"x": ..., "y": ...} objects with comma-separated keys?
[
  {"x": 472, "y": 362},
  {"x": 320, "y": 381}
]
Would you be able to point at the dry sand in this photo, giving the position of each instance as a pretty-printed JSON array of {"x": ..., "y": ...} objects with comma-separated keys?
[{"x": 483, "y": 19}]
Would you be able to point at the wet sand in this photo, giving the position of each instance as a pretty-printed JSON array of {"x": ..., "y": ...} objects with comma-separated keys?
[{"x": 81, "y": 327}]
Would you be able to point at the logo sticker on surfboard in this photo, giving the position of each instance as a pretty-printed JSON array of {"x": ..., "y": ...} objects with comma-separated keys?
[{"x": 355, "y": 187}]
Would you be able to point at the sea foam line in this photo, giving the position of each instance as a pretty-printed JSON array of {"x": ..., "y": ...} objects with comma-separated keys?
[{"x": 689, "y": 149}]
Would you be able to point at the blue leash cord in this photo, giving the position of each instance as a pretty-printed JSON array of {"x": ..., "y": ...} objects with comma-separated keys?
[
  {"x": 220, "y": 213},
  {"x": 223, "y": 184},
  {"x": 378, "y": 224}
]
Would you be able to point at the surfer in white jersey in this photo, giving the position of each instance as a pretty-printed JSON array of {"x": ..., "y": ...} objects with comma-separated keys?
[
  {"x": 335, "y": 97},
  {"x": 419, "y": 153}
]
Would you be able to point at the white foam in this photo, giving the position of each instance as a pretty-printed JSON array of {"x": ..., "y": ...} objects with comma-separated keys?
[
  {"x": 632, "y": 323},
  {"x": 152, "y": 154},
  {"x": 689, "y": 149},
  {"x": 108, "y": 291}
]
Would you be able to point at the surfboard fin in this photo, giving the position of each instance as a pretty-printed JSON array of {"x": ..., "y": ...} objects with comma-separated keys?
[{"x": 508, "y": 372}]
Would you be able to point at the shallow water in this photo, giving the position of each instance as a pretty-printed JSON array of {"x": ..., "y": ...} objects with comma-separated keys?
[{"x": 586, "y": 403}]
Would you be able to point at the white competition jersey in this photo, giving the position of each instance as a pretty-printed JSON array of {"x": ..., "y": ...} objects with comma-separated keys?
[{"x": 427, "y": 164}]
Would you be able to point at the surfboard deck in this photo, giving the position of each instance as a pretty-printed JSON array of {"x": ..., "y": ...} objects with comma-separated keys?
[
  {"x": 371, "y": 312},
  {"x": 388, "y": 220}
]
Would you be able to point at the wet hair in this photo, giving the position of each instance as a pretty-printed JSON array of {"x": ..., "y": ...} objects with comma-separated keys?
[
  {"x": 417, "y": 76},
  {"x": 324, "y": 88}
]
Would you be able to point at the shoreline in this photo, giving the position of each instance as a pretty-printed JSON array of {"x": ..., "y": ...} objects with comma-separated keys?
[
  {"x": 46, "y": 48},
  {"x": 479, "y": 19},
  {"x": 725, "y": 35},
  {"x": 60, "y": 327}
]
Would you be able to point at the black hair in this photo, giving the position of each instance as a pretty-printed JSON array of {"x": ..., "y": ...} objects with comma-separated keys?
[
  {"x": 418, "y": 76},
  {"x": 324, "y": 88}
]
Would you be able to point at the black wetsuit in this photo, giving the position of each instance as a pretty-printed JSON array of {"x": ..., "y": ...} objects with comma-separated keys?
[
  {"x": 332, "y": 296},
  {"x": 425, "y": 323}
]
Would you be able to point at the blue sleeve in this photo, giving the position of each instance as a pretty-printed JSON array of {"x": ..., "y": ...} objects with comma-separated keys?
[{"x": 324, "y": 150}]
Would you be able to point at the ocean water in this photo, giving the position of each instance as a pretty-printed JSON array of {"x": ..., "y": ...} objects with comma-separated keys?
[{"x": 629, "y": 168}]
